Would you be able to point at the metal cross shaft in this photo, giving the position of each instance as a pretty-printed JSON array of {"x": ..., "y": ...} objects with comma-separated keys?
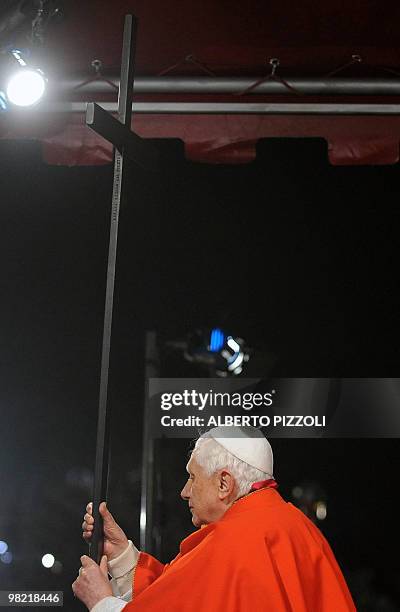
[{"x": 126, "y": 143}]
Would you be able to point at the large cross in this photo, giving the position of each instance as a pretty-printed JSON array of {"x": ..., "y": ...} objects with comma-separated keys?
[{"x": 127, "y": 144}]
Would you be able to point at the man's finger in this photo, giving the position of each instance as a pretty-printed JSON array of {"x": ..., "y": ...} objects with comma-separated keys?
[
  {"x": 87, "y": 561},
  {"x": 86, "y": 526},
  {"x": 89, "y": 507},
  {"x": 103, "y": 566},
  {"x": 105, "y": 513}
]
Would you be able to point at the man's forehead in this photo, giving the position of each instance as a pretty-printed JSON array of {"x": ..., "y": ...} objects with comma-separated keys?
[{"x": 191, "y": 464}]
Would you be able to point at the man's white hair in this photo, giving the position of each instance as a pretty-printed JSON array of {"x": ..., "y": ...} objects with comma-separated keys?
[{"x": 213, "y": 457}]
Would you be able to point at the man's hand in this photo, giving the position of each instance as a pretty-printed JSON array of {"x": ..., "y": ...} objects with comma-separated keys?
[
  {"x": 92, "y": 584},
  {"x": 115, "y": 541}
]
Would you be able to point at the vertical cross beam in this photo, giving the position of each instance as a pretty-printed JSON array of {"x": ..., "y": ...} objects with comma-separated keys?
[{"x": 103, "y": 425}]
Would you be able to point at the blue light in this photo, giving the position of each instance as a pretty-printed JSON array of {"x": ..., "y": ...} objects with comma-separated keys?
[
  {"x": 3, "y": 101},
  {"x": 217, "y": 340},
  {"x": 3, "y": 547},
  {"x": 6, "y": 558}
]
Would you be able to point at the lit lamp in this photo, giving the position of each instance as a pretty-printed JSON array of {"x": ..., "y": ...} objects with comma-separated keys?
[
  {"x": 222, "y": 353},
  {"x": 23, "y": 85}
]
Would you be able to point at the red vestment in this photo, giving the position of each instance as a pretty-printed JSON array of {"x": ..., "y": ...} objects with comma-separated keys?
[{"x": 263, "y": 555}]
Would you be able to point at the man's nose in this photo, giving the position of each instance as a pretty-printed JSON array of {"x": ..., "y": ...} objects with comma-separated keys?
[{"x": 185, "y": 493}]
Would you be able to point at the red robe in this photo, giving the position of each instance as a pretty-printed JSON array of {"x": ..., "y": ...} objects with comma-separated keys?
[{"x": 263, "y": 555}]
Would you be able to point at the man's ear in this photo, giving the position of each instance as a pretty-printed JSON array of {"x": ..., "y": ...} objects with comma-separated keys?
[{"x": 226, "y": 484}]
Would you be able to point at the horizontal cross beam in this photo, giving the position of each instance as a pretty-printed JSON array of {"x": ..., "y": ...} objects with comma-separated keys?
[{"x": 123, "y": 139}]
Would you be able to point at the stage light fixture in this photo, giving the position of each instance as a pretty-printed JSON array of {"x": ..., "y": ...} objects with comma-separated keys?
[
  {"x": 217, "y": 339},
  {"x": 48, "y": 560},
  {"x": 3, "y": 547},
  {"x": 321, "y": 511},
  {"x": 223, "y": 354},
  {"x": 24, "y": 84},
  {"x": 26, "y": 88}
]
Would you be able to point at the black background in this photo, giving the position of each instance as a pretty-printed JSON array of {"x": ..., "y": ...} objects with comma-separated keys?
[{"x": 296, "y": 256}]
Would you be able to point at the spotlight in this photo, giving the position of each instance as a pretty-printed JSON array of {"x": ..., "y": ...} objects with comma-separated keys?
[
  {"x": 48, "y": 560},
  {"x": 321, "y": 511},
  {"x": 26, "y": 88},
  {"x": 234, "y": 355},
  {"x": 217, "y": 340},
  {"x": 25, "y": 85},
  {"x": 3, "y": 547},
  {"x": 222, "y": 353}
]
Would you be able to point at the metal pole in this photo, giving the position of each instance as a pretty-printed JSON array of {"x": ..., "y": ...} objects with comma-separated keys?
[
  {"x": 238, "y": 108},
  {"x": 146, "y": 507},
  {"x": 234, "y": 85}
]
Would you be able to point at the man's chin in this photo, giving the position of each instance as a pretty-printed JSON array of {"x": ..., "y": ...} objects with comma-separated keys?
[{"x": 195, "y": 520}]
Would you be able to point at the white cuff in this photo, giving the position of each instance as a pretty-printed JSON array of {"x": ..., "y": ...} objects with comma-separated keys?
[
  {"x": 109, "y": 604},
  {"x": 125, "y": 562}
]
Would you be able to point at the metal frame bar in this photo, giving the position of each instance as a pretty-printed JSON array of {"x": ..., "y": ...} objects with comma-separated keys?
[
  {"x": 228, "y": 85},
  {"x": 152, "y": 370},
  {"x": 244, "y": 108}
]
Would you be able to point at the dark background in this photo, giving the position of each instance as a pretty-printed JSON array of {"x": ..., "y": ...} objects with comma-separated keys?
[{"x": 294, "y": 255}]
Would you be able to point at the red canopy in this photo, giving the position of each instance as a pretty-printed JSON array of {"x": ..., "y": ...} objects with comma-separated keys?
[{"x": 211, "y": 39}]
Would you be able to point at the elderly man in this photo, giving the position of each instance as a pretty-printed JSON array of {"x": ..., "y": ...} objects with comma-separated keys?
[{"x": 252, "y": 551}]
